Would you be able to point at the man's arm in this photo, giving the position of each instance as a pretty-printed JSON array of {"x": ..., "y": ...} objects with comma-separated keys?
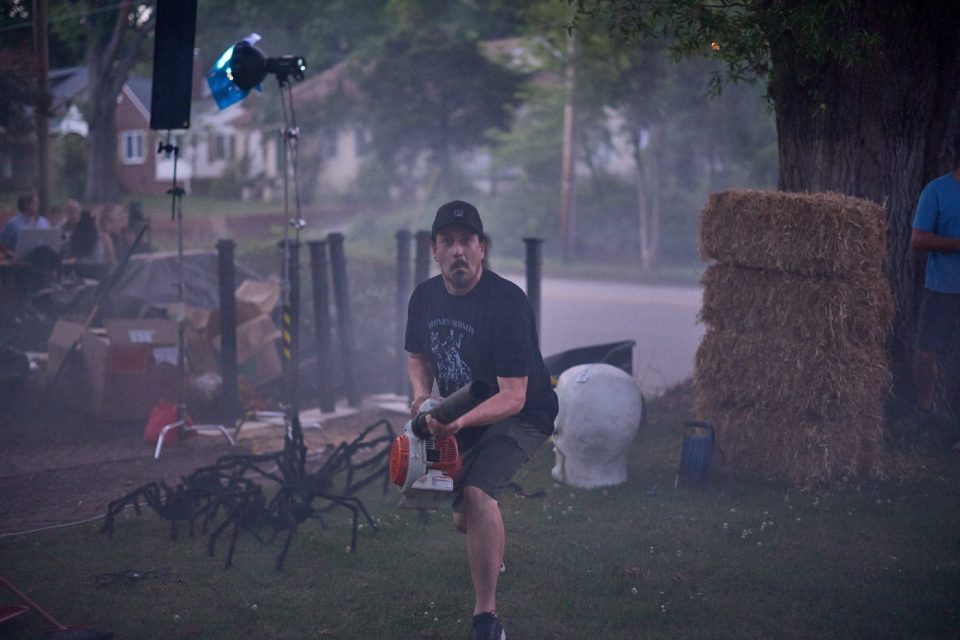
[
  {"x": 508, "y": 401},
  {"x": 420, "y": 373},
  {"x": 926, "y": 241}
]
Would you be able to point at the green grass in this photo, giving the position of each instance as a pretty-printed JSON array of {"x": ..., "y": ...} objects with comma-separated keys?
[{"x": 742, "y": 557}]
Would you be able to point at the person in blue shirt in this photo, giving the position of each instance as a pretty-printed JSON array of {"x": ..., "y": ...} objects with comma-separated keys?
[
  {"x": 936, "y": 230},
  {"x": 27, "y": 216}
]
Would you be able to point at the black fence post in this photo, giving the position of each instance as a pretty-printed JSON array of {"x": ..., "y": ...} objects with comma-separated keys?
[
  {"x": 338, "y": 265},
  {"x": 403, "y": 297},
  {"x": 422, "y": 269},
  {"x": 228, "y": 331},
  {"x": 326, "y": 377},
  {"x": 534, "y": 261}
]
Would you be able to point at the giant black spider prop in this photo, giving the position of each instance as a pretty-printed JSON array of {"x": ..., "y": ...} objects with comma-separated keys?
[{"x": 229, "y": 486}]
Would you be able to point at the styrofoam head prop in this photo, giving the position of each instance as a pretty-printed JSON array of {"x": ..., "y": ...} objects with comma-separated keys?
[{"x": 600, "y": 412}]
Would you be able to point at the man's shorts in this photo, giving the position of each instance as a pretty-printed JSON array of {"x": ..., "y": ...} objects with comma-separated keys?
[
  {"x": 937, "y": 323},
  {"x": 493, "y": 460}
]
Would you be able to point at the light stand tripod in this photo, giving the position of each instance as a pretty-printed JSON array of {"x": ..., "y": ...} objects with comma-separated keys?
[
  {"x": 228, "y": 487},
  {"x": 176, "y": 213},
  {"x": 294, "y": 449}
]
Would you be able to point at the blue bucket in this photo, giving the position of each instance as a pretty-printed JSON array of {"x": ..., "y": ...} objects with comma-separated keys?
[{"x": 697, "y": 453}]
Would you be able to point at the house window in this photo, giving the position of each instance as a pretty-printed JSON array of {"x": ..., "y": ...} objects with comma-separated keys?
[
  {"x": 221, "y": 146},
  {"x": 133, "y": 147}
]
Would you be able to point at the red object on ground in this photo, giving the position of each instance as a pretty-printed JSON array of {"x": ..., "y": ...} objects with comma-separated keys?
[{"x": 163, "y": 413}]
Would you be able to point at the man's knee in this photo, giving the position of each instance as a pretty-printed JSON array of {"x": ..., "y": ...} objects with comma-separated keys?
[
  {"x": 476, "y": 498},
  {"x": 459, "y": 522}
]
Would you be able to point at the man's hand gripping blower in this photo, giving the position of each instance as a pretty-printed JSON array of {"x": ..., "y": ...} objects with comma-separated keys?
[{"x": 423, "y": 466}]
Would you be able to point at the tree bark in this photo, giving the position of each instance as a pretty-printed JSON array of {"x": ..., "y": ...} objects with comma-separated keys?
[
  {"x": 111, "y": 53},
  {"x": 878, "y": 129}
]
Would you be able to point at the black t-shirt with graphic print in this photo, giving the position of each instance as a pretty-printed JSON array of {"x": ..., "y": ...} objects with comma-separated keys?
[{"x": 488, "y": 332}]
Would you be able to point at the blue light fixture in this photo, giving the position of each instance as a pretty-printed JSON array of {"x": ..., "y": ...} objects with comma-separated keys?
[{"x": 243, "y": 67}]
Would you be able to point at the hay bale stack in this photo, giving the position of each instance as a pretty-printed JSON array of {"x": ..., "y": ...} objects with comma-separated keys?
[
  {"x": 833, "y": 311},
  {"x": 792, "y": 370},
  {"x": 820, "y": 234}
]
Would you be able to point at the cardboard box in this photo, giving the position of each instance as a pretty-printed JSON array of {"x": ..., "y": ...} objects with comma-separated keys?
[
  {"x": 258, "y": 360},
  {"x": 131, "y": 365}
]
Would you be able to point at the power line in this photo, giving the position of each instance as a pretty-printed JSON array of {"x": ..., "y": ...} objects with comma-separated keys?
[{"x": 70, "y": 16}]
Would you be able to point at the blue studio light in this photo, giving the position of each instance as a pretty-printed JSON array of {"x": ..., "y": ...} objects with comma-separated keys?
[{"x": 236, "y": 72}]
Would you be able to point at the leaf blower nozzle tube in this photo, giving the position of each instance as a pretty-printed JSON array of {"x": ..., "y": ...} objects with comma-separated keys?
[{"x": 452, "y": 407}]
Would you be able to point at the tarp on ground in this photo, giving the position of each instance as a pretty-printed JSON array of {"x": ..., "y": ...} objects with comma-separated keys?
[{"x": 148, "y": 284}]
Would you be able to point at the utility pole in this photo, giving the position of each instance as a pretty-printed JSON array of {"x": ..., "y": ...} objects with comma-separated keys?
[
  {"x": 568, "y": 177},
  {"x": 41, "y": 51}
]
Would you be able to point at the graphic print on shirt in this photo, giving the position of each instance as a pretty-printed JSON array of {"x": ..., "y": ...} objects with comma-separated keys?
[{"x": 446, "y": 343}]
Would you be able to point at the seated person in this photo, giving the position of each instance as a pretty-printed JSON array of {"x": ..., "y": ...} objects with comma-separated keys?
[
  {"x": 109, "y": 235},
  {"x": 71, "y": 216},
  {"x": 27, "y": 216},
  {"x": 88, "y": 248}
]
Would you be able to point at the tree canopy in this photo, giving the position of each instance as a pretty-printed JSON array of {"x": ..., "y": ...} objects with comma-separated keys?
[{"x": 867, "y": 100}]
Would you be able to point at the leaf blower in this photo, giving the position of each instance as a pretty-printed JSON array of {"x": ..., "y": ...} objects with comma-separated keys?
[{"x": 423, "y": 466}]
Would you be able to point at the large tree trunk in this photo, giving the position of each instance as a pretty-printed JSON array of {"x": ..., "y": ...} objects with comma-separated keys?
[
  {"x": 879, "y": 129},
  {"x": 102, "y": 185},
  {"x": 114, "y": 45}
]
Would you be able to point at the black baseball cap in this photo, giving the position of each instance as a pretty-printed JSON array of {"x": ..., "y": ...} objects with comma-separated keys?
[{"x": 457, "y": 212}]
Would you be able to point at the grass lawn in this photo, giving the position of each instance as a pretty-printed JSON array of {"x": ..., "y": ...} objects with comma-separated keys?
[{"x": 742, "y": 557}]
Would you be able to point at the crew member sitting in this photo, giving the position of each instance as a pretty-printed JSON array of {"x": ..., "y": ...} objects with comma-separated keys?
[{"x": 27, "y": 216}]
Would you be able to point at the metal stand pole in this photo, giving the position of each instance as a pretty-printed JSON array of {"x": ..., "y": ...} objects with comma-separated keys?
[
  {"x": 294, "y": 449},
  {"x": 176, "y": 213}
]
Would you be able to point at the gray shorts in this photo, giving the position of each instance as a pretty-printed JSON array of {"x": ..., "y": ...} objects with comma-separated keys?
[
  {"x": 494, "y": 459},
  {"x": 937, "y": 322}
]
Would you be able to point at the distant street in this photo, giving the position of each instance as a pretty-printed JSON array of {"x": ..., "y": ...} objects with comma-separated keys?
[{"x": 662, "y": 319}]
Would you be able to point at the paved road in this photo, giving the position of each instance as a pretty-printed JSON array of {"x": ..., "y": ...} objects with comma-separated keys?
[{"x": 662, "y": 319}]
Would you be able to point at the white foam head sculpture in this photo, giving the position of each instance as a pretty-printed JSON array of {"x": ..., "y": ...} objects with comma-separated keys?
[{"x": 600, "y": 412}]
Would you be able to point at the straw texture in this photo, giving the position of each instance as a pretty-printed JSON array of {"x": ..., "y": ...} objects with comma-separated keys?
[{"x": 792, "y": 370}]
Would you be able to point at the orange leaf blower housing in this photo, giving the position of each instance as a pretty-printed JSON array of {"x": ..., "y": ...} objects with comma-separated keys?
[{"x": 420, "y": 461}]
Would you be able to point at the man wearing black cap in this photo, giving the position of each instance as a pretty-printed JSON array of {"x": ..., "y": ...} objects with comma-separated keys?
[{"x": 470, "y": 324}]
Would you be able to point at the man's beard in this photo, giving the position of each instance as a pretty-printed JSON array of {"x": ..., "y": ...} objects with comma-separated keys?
[{"x": 460, "y": 274}]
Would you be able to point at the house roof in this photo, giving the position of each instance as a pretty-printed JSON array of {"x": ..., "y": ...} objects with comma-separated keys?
[
  {"x": 321, "y": 86},
  {"x": 68, "y": 83},
  {"x": 142, "y": 89}
]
